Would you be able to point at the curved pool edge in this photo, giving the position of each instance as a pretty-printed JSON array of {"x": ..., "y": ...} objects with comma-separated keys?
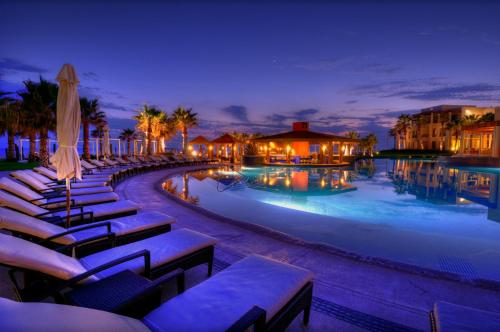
[{"x": 277, "y": 235}]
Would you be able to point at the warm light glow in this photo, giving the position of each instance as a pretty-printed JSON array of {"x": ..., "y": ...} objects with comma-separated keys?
[
  {"x": 287, "y": 182},
  {"x": 210, "y": 147},
  {"x": 323, "y": 183},
  {"x": 194, "y": 153},
  {"x": 323, "y": 148},
  {"x": 288, "y": 148},
  {"x": 210, "y": 172},
  {"x": 272, "y": 145},
  {"x": 190, "y": 147}
]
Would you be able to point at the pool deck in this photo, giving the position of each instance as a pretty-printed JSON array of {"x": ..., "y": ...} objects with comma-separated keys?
[
  {"x": 349, "y": 295},
  {"x": 347, "y": 292}
]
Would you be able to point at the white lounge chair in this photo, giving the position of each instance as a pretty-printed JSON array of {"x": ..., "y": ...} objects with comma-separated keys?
[
  {"x": 43, "y": 188},
  {"x": 54, "y": 184},
  {"x": 85, "y": 178},
  {"x": 53, "y": 201},
  {"x": 165, "y": 252},
  {"x": 79, "y": 215},
  {"x": 255, "y": 291},
  {"x": 125, "y": 229}
]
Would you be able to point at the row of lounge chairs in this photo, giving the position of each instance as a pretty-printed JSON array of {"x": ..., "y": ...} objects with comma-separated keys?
[{"x": 108, "y": 269}]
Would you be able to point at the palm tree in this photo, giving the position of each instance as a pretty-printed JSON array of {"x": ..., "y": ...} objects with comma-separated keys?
[
  {"x": 9, "y": 121},
  {"x": 470, "y": 119},
  {"x": 166, "y": 129},
  {"x": 90, "y": 116},
  {"x": 100, "y": 122},
  {"x": 145, "y": 124},
  {"x": 488, "y": 117},
  {"x": 369, "y": 143},
  {"x": 454, "y": 126},
  {"x": 40, "y": 100},
  {"x": 352, "y": 135},
  {"x": 402, "y": 125},
  {"x": 128, "y": 135},
  {"x": 185, "y": 118}
]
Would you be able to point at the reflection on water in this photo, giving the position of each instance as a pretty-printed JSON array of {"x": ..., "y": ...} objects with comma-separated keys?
[
  {"x": 183, "y": 193},
  {"x": 438, "y": 184},
  {"x": 424, "y": 180},
  {"x": 413, "y": 211}
]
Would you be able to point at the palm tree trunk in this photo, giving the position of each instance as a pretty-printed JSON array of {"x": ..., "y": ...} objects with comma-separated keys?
[
  {"x": 86, "y": 143},
  {"x": 149, "y": 149},
  {"x": 184, "y": 139},
  {"x": 32, "y": 152},
  {"x": 44, "y": 152},
  {"x": 11, "y": 151},
  {"x": 128, "y": 146}
]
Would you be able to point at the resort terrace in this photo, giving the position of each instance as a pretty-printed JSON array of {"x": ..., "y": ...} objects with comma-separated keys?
[{"x": 304, "y": 147}]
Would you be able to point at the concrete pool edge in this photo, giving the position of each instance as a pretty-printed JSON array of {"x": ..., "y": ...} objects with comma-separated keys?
[{"x": 277, "y": 235}]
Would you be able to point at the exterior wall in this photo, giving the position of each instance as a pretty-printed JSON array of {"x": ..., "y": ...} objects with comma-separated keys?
[
  {"x": 428, "y": 129},
  {"x": 496, "y": 136}
]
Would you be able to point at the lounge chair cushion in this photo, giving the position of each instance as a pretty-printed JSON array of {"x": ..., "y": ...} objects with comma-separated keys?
[
  {"x": 217, "y": 303},
  {"x": 47, "y": 172},
  {"x": 457, "y": 318},
  {"x": 24, "y": 254},
  {"x": 88, "y": 191},
  {"x": 16, "y": 221},
  {"x": 105, "y": 209},
  {"x": 83, "y": 199},
  {"x": 29, "y": 180},
  {"x": 130, "y": 224},
  {"x": 23, "y": 316},
  {"x": 16, "y": 203},
  {"x": 20, "y": 190},
  {"x": 87, "y": 165},
  {"x": 164, "y": 248}
]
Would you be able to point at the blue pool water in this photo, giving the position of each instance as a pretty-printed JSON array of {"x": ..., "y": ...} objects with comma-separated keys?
[{"x": 411, "y": 211}]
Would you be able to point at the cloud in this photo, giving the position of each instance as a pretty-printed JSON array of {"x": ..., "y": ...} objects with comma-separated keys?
[
  {"x": 237, "y": 112},
  {"x": 379, "y": 68},
  {"x": 351, "y": 102},
  {"x": 475, "y": 92},
  {"x": 322, "y": 64},
  {"x": 90, "y": 75},
  {"x": 305, "y": 114},
  {"x": 13, "y": 65},
  {"x": 96, "y": 92},
  {"x": 490, "y": 40},
  {"x": 432, "y": 89}
]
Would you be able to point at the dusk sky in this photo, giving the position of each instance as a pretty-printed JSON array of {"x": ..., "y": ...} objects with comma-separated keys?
[{"x": 259, "y": 67}]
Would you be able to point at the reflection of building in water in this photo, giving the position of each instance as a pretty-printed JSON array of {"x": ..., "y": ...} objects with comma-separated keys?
[
  {"x": 441, "y": 185},
  {"x": 481, "y": 188},
  {"x": 426, "y": 180}
]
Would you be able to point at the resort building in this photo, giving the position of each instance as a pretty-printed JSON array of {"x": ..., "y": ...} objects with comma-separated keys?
[
  {"x": 451, "y": 128},
  {"x": 302, "y": 146}
]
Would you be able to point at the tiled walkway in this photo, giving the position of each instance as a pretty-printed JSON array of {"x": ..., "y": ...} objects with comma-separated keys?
[{"x": 349, "y": 295}]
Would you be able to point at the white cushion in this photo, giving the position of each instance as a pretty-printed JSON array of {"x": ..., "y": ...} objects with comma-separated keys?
[
  {"x": 98, "y": 163},
  {"x": 164, "y": 248},
  {"x": 24, "y": 254},
  {"x": 47, "y": 172},
  {"x": 18, "y": 189},
  {"x": 88, "y": 184},
  {"x": 457, "y": 318},
  {"x": 87, "y": 165},
  {"x": 16, "y": 203},
  {"x": 88, "y": 191},
  {"x": 15, "y": 221},
  {"x": 38, "y": 176},
  {"x": 29, "y": 180},
  {"x": 34, "y": 317},
  {"x": 217, "y": 303},
  {"x": 83, "y": 199},
  {"x": 105, "y": 209}
]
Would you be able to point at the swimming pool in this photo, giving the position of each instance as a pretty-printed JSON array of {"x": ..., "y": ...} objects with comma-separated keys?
[{"x": 410, "y": 211}]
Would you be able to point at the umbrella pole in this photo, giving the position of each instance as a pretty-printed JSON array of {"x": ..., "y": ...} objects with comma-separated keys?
[{"x": 68, "y": 203}]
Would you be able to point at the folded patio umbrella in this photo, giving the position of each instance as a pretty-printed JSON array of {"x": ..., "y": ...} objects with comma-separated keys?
[{"x": 66, "y": 158}]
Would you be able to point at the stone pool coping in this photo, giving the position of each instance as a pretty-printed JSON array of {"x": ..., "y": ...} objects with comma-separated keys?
[{"x": 272, "y": 233}]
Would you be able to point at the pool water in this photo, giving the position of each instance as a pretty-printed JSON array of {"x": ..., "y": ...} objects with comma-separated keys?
[{"x": 411, "y": 211}]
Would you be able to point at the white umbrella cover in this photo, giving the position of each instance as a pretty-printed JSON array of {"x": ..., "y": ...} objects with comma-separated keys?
[{"x": 66, "y": 159}]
